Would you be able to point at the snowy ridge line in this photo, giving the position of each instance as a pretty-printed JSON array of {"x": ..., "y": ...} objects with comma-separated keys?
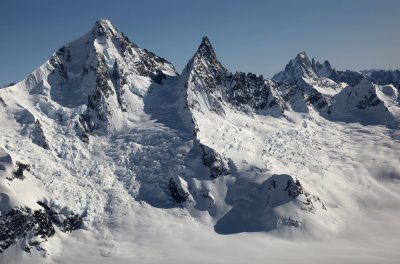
[{"x": 105, "y": 149}]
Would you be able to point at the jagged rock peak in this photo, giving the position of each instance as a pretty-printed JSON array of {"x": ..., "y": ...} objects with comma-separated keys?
[
  {"x": 104, "y": 27},
  {"x": 205, "y": 47},
  {"x": 207, "y": 52},
  {"x": 327, "y": 64},
  {"x": 303, "y": 59},
  {"x": 299, "y": 67},
  {"x": 301, "y": 63},
  {"x": 205, "y": 60},
  {"x": 322, "y": 69},
  {"x": 317, "y": 64}
]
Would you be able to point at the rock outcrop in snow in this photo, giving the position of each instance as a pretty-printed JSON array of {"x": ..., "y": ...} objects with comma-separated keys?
[
  {"x": 29, "y": 228},
  {"x": 214, "y": 161},
  {"x": 280, "y": 200},
  {"x": 365, "y": 102}
]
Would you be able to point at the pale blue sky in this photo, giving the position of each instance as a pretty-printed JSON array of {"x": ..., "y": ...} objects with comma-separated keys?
[{"x": 257, "y": 36}]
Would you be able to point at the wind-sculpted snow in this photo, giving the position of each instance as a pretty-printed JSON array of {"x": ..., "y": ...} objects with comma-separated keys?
[{"x": 106, "y": 152}]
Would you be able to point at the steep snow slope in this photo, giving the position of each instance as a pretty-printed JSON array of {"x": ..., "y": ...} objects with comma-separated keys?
[{"x": 129, "y": 161}]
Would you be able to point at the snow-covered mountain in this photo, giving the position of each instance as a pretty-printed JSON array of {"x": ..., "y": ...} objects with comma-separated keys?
[
  {"x": 311, "y": 82},
  {"x": 95, "y": 71},
  {"x": 212, "y": 87},
  {"x": 367, "y": 103},
  {"x": 91, "y": 86},
  {"x": 105, "y": 151},
  {"x": 336, "y": 95}
]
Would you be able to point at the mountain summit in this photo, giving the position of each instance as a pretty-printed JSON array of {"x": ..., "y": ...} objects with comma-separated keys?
[
  {"x": 206, "y": 50},
  {"x": 205, "y": 63},
  {"x": 96, "y": 71},
  {"x": 299, "y": 67},
  {"x": 104, "y": 27}
]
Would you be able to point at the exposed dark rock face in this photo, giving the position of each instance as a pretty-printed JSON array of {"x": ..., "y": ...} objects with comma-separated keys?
[
  {"x": 31, "y": 227},
  {"x": 103, "y": 76},
  {"x": 32, "y": 128},
  {"x": 178, "y": 193},
  {"x": 214, "y": 161},
  {"x": 207, "y": 67},
  {"x": 7, "y": 85},
  {"x": 207, "y": 195},
  {"x": 18, "y": 172},
  {"x": 2, "y": 102},
  {"x": 98, "y": 107},
  {"x": 289, "y": 93},
  {"x": 318, "y": 100},
  {"x": 325, "y": 69},
  {"x": 322, "y": 69},
  {"x": 352, "y": 78},
  {"x": 82, "y": 129},
  {"x": 59, "y": 68},
  {"x": 67, "y": 223},
  {"x": 119, "y": 80},
  {"x": 149, "y": 65},
  {"x": 103, "y": 29},
  {"x": 312, "y": 96},
  {"x": 370, "y": 100},
  {"x": 383, "y": 77},
  {"x": 72, "y": 222},
  {"x": 38, "y": 136},
  {"x": 251, "y": 90},
  {"x": 294, "y": 190}
]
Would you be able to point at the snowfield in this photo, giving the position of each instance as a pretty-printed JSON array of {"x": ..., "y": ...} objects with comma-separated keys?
[{"x": 131, "y": 162}]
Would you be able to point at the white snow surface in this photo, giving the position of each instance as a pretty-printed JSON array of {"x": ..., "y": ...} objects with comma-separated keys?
[{"x": 119, "y": 180}]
